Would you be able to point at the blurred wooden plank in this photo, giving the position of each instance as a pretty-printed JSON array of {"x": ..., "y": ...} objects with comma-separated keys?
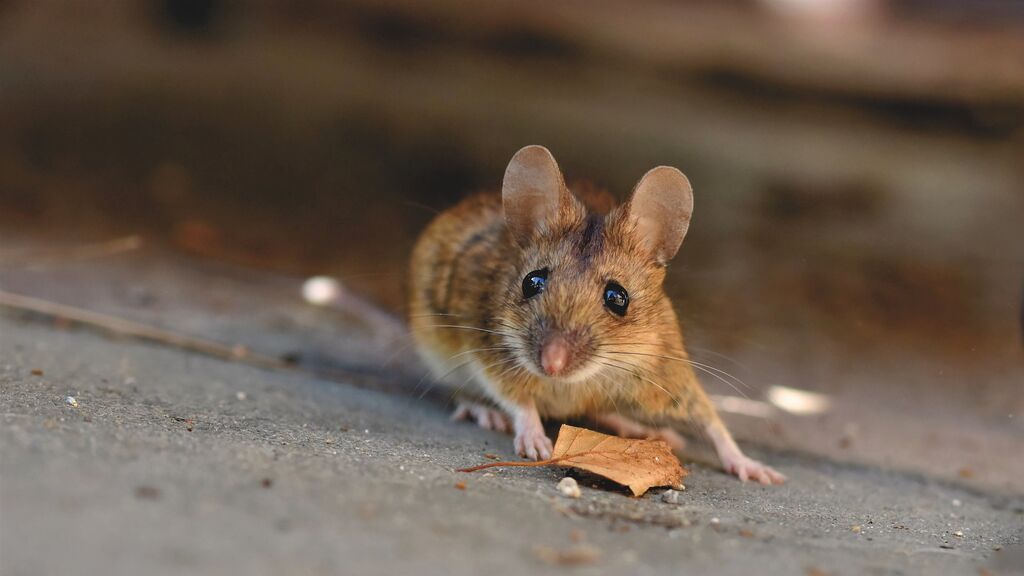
[{"x": 886, "y": 56}]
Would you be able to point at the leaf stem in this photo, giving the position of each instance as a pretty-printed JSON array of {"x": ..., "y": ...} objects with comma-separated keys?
[{"x": 547, "y": 462}]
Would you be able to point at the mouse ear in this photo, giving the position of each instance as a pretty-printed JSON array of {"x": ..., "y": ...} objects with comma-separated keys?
[
  {"x": 532, "y": 192},
  {"x": 661, "y": 206}
]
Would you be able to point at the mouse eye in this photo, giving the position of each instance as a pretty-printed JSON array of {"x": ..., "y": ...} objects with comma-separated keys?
[
  {"x": 534, "y": 282},
  {"x": 616, "y": 298}
]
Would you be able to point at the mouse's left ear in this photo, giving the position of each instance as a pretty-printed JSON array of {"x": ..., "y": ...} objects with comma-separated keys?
[{"x": 661, "y": 206}]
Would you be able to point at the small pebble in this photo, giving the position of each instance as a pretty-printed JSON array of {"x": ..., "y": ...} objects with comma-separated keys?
[
  {"x": 958, "y": 534},
  {"x": 856, "y": 529},
  {"x": 147, "y": 492},
  {"x": 957, "y": 502},
  {"x": 569, "y": 488},
  {"x": 670, "y": 496},
  {"x": 70, "y": 401},
  {"x": 715, "y": 520},
  {"x": 240, "y": 395}
]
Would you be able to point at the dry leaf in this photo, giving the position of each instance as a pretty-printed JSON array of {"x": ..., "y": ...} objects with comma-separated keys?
[{"x": 638, "y": 464}]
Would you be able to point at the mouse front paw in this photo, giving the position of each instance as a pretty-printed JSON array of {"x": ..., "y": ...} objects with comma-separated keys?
[{"x": 532, "y": 443}]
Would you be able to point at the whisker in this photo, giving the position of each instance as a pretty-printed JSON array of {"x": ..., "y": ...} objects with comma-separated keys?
[
  {"x": 671, "y": 397},
  {"x": 709, "y": 369},
  {"x": 452, "y": 357},
  {"x": 504, "y": 324},
  {"x": 611, "y": 395},
  {"x": 723, "y": 380},
  {"x": 698, "y": 430},
  {"x": 389, "y": 362},
  {"x": 459, "y": 326},
  {"x": 726, "y": 357},
  {"x": 438, "y": 379},
  {"x": 483, "y": 369},
  {"x": 487, "y": 349}
]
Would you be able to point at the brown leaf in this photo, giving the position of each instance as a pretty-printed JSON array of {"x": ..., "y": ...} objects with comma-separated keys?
[{"x": 638, "y": 464}]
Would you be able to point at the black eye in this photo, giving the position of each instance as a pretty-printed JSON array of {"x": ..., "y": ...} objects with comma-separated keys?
[
  {"x": 616, "y": 298},
  {"x": 534, "y": 282}
]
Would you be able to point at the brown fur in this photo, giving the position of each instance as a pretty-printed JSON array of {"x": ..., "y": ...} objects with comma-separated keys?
[{"x": 467, "y": 309}]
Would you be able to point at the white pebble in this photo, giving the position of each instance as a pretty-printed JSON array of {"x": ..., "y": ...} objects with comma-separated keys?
[
  {"x": 321, "y": 290},
  {"x": 240, "y": 395},
  {"x": 670, "y": 496},
  {"x": 957, "y": 502},
  {"x": 70, "y": 400},
  {"x": 569, "y": 488}
]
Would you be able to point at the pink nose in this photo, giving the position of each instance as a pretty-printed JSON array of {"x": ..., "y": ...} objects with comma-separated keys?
[{"x": 555, "y": 356}]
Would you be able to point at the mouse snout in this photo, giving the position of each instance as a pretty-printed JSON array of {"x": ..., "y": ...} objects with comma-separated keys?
[{"x": 555, "y": 355}]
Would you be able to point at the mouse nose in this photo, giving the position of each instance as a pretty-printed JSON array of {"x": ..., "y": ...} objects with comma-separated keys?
[{"x": 555, "y": 355}]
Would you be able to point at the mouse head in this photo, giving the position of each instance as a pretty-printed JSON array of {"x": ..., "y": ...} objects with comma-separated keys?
[{"x": 588, "y": 286}]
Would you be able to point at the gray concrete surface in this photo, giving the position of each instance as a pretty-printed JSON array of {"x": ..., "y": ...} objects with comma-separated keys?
[
  {"x": 284, "y": 473},
  {"x": 173, "y": 462}
]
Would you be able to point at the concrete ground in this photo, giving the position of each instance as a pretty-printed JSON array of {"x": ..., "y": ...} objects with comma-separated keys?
[{"x": 173, "y": 462}]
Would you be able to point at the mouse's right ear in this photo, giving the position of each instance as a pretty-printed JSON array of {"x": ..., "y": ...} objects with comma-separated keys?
[{"x": 532, "y": 192}]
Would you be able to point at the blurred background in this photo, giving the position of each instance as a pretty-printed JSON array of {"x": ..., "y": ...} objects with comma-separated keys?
[{"x": 856, "y": 259}]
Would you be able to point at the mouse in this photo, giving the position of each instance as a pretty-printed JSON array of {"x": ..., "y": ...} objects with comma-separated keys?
[{"x": 545, "y": 302}]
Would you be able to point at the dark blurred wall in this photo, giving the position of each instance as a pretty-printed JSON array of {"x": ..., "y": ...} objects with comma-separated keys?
[{"x": 857, "y": 176}]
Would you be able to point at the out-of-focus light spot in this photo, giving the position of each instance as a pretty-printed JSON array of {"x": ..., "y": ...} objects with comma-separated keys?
[
  {"x": 799, "y": 402},
  {"x": 321, "y": 290},
  {"x": 826, "y": 11},
  {"x": 743, "y": 406}
]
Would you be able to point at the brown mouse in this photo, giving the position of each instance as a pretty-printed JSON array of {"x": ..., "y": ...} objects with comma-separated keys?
[{"x": 541, "y": 303}]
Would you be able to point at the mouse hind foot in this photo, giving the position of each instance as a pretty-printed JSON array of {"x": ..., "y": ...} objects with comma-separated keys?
[
  {"x": 737, "y": 463},
  {"x": 486, "y": 417},
  {"x": 627, "y": 428}
]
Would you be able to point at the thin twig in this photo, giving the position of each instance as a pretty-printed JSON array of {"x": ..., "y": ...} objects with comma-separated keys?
[
  {"x": 37, "y": 259},
  {"x": 130, "y": 328}
]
